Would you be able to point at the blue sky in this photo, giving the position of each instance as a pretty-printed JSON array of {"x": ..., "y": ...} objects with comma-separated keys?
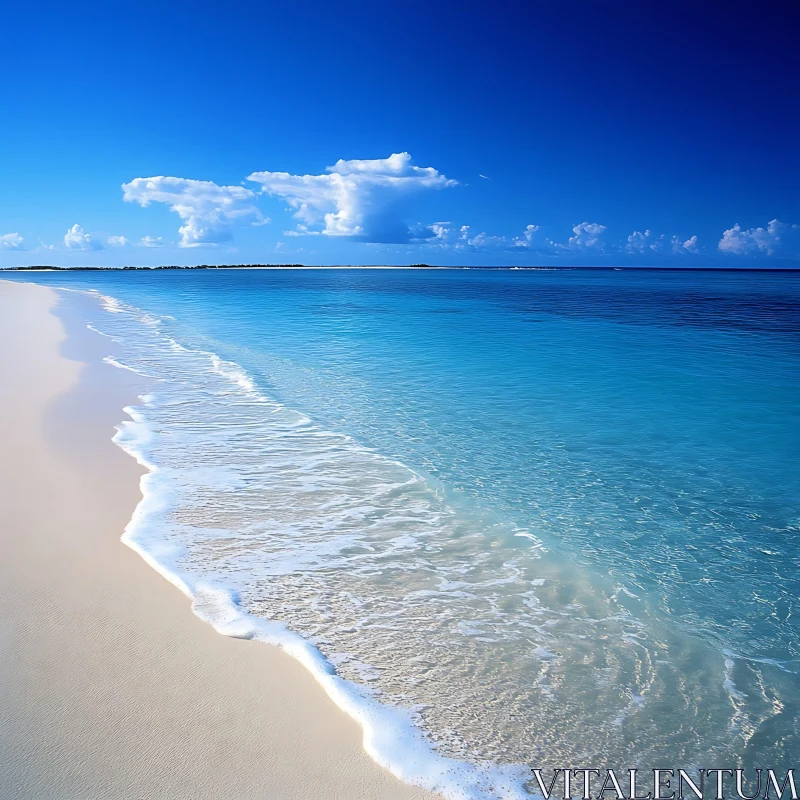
[{"x": 593, "y": 133}]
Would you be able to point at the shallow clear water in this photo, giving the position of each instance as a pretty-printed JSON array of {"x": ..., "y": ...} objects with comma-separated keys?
[{"x": 554, "y": 514}]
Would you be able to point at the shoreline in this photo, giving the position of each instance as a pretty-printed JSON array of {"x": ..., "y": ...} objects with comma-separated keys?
[{"x": 122, "y": 690}]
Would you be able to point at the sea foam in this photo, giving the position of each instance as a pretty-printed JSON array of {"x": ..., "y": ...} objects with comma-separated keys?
[{"x": 390, "y": 735}]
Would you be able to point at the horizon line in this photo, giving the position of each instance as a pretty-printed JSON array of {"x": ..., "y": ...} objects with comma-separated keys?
[{"x": 537, "y": 268}]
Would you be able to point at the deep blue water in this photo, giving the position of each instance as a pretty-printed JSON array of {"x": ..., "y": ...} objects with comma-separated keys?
[{"x": 603, "y": 554}]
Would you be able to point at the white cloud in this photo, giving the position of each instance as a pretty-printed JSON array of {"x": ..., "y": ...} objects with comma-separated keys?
[
  {"x": 76, "y": 238},
  {"x": 10, "y": 241},
  {"x": 689, "y": 246},
  {"x": 359, "y": 198},
  {"x": 638, "y": 242},
  {"x": 526, "y": 240},
  {"x": 588, "y": 235},
  {"x": 150, "y": 241},
  {"x": 485, "y": 177},
  {"x": 118, "y": 241},
  {"x": 641, "y": 242},
  {"x": 440, "y": 231},
  {"x": 207, "y": 209},
  {"x": 480, "y": 241},
  {"x": 753, "y": 240},
  {"x": 483, "y": 241}
]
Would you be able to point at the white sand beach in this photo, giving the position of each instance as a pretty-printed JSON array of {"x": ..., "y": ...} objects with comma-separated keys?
[{"x": 109, "y": 686}]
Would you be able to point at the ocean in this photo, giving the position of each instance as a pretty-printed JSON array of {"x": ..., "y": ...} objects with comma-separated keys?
[{"x": 509, "y": 518}]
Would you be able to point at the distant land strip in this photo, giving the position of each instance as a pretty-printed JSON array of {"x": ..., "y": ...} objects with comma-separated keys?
[
  {"x": 171, "y": 266},
  {"x": 50, "y": 268},
  {"x": 204, "y": 266}
]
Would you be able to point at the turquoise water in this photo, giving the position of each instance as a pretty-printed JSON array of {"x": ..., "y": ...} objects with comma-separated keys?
[{"x": 552, "y": 515}]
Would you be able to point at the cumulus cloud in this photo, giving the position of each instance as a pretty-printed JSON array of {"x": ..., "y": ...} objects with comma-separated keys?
[
  {"x": 150, "y": 241},
  {"x": 689, "y": 246},
  {"x": 485, "y": 242},
  {"x": 208, "y": 210},
  {"x": 10, "y": 241},
  {"x": 753, "y": 240},
  {"x": 360, "y": 198},
  {"x": 76, "y": 238},
  {"x": 467, "y": 240},
  {"x": 587, "y": 236},
  {"x": 118, "y": 241},
  {"x": 440, "y": 230},
  {"x": 526, "y": 240},
  {"x": 435, "y": 233},
  {"x": 478, "y": 241},
  {"x": 638, "y": 242}
]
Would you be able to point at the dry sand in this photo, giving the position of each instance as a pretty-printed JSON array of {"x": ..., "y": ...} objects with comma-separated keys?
[{"x": 109, "y": 686}]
